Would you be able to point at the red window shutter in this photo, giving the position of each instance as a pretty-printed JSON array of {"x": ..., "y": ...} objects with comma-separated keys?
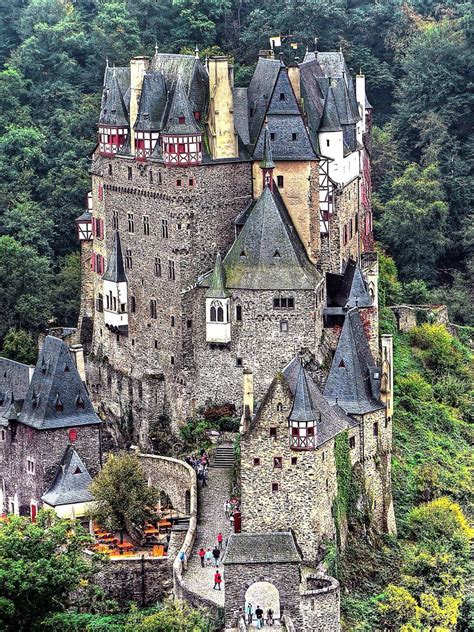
[
  {"x": 101, "y": 228},
  {"x": 93, "y": 263},
  {"x": 101, "y": 192},
  {"x": 72, "y": 435}
]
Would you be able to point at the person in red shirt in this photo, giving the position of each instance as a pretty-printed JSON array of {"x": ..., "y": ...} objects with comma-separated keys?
[
  {"x": 220, "y": 538},
  {"x": 201, "y": 554},
  {"x": 217, "y": 581}
]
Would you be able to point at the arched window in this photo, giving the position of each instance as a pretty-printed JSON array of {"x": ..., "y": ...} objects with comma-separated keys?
[
  {"x": 216, "y": 312},
  {"x": 238, "y": 312},
  {"x": 279, "y": 407},
  {"x": 213, "y": 314},
  {"x": 220, "y": 314}
]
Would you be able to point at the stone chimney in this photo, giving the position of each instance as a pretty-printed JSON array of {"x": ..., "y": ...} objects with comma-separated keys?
[
  {"x": 138, "y": 67},
  {"x": 386, "y": 386},
  {"x": 77, "y": 353},
  {"x": 247, "y": 409},
  {"x": 267, "y": 54},
  {"x": 294, "y": 77},
  {"x": 223, "y": 141}
]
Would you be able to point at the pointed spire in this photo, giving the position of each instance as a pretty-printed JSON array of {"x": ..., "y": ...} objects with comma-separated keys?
[
  {"x": 267, "y": 160},
  {"x": 217, "y": 283},
  {"x": 302, "y": 409},
  {"x": 115, "y": 269},
  {"x": 106, "y": 62},
  {"x": 196, "y": 52},
  {"x": 181, "y": 118},
  {"x": 156, "y": 47}
]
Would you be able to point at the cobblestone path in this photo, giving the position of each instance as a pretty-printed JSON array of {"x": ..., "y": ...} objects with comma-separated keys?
[{"x": 211, "y": 520}]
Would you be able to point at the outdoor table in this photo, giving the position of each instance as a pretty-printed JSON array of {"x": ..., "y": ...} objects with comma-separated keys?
[
  {"x": 164, "y": 523},
  {"x": 151, "y": 530},
  {"x": 126, "y": 546}
]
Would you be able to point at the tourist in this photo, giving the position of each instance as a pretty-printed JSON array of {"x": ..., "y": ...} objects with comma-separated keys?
[
  {"x": 232, "y": 519},
  {"x": 270, "y": 620},
  {"x": 182, "y": 558},
  {"x": 208, "y": 557},
  {"x": 220, "y": 538},
  {"x": 249, "y": 612},
  {"x": 202, "y": 554},
  {"x": 217, "y": 581},
  {"x": 259, "y": 615},
  {"x": 216, "y": 555},
  {"x": 204, "y": 476}
]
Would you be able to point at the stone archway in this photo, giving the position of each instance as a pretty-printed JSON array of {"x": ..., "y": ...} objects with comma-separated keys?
[{"x": 263, "y": 594}]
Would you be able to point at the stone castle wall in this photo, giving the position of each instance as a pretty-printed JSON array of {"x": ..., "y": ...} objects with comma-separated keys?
[
  {"x": 257, "y": 343},
  {"x": 306, "y": 481},
  {"x": 320, "y": 604}
]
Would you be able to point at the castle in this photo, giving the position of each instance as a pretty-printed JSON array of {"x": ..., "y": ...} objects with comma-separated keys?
[{"x": 227, "y": 245}]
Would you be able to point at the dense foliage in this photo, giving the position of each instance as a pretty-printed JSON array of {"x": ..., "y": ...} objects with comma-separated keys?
[
  {"x": 123, "y": 499},
  {"x": 40, "y": 564},
  {"x": 53, "y": 54}
]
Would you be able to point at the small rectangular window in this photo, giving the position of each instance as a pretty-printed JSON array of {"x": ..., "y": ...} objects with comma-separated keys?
[
  {"x": 153, "y": 309},
  {"x": 164, "y": 228},
  {"x": 293, "y": 136},
  {"x": 110, "y": 170},
  {"x": 276, "y": 303},
  {"x": 256, "y": 461},
  {"x": 146, "y": 225},
  {"x": 172, "y": 359},
  {"x": 327, "y": 143},
  {"x": 157, "y": 267},
  {"x": 130, "y": 174},
  {"x": 239, "y": 362},
  {"x": 30, "y": 466},
  {"x": 128, "y": 259},
  {"x": 172, "y": 321},
  {"x": 274, "y": 487},
  {"x": 294, "y": 460},
  {"x": 376, "y": 429},
  {"x": 133, "y": 305},
  {"x": 284, "y": 326},
  {"x": 291, "y": 303},
  {"x": 238, "y": 313},
  {"x": 352, "y": 442},
  {"x": 171, "y": 270},
  {"x": 179, "y": 182},
  {"x": 278, "y": 461},
  {"x": 156, "y": 344},
  {"x": 280, "y": 182},
  {"x": 3, "y": 435},
  {"x": 273, "y": 433},
  {"x": 272, "y": 135},
  {"x": 191, "y": 182},
  {"x": 189, "y": 324},
  {"x": 282, "y": 96},
  {"x": 131, "y": 223}
]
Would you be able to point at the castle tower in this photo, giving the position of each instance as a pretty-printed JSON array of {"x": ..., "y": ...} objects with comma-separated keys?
[
  {"x": 115, "y": 290},
  {"x": 217, "y": 307},
  {"x": 149, "y": 119},
  {"x": 223, "y": 139},
  {"x": 138, "y": 67},
  {"x": 113, "y": 120},
  {"x": 267, "y": 165}
]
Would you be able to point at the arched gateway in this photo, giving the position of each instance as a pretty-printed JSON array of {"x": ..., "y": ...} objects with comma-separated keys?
[{"x": 265, "y": 595}]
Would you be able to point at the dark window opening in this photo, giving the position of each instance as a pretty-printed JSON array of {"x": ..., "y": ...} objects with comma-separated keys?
[
  {"x": 352, "y": 442},
  {"x": 282, "y": 96},
  {"x": 128, "y": 259},
  {"x": 256, "y": 461},
  {"x": 276, "y": 254},
  {"x": 238, "y": 312},
  {"x": 273, "y": 433},
  {"x": 242, "y": 254},
  {"x": 189, "y": 324},
  {"x": 191, "y": 182},
  {"x": 157, "y": 267},
  {"x": 172, "y": 359},
  {"x": 280, "y": 182},
  {"x": 181, "y": 120},
  {"x": 153, "y": 309},
  {"x": 294, "y": 460},
  {"x": 327, "y": 143},
  {"x": 310, "y": 431},
  {"x": 110, "y": 170},
  {"x": 279, "y": 407},
  {"x": 272, "y": 135},
  {"x": 130, "y": 173},
  {"x": 172, "y": 321},
  {"x": 293, "y": 136},
  {"x": 239, "y": 362},
  {"x": 132, "y": 304},
  {"x": 278, "y": 461},
  {"x": 274, "y": 487},
  {"x": 171, "y": 270},
  {"x": 341, "y": 364},
  {"x": 178, "y": 182},
  {"x": 376, "y": 429}
]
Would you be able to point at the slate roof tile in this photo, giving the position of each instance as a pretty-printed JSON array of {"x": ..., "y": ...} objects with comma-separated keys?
[
  {"x": 71, "y": 483},
  {"x": 115, "y": 268},
  {"x": 261, "y": 548}
]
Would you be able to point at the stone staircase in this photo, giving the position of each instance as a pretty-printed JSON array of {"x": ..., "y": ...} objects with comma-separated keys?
[{"x": 223, "y": 456}]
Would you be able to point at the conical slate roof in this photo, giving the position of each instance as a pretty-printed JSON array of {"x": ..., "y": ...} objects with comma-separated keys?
[
  {"x": 181, "y": 109},
  {"x": 115, "y": 269},
  {"x": 268, "y": 253},
  {"x": 56, "y": 396},
  {"x": 153, "y": 98},
  {"x": 309, "y": 404},
  {"x": 267, "y": 160},
  {"x": 348, "y": 289},
  {"x": 302, "y": 409},
  {"x": 113, "y": 111},
  {"x": 71, "y": 484},
  {"x": 354, "y": 379},
  {"x": 330, "y": 119},
  {"x": 217, "y": 281}
]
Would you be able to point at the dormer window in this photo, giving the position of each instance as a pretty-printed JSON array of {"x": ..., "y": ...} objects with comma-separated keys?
[
  {"x": 79, "y": 402},
  {"x": 181, "y": 120},
  {"x": 342, "y": 365},
  {"x": 77, "y": 470},
  {"x": 242, "y": 254},
  {"x": 34, "y": 400},
  {"x": 282, "y": 96},
  {"x": 217, "y": 312},
  {"x": 66, "y": 368},
  {"x": 276, "y": 255},
  {"x": 58, "y": 404}
]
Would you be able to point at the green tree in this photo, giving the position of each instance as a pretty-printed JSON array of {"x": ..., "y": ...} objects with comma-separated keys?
[
  {"x": 25, "y": 287},
  {"x": 67, "y": 290},
  {"x": 29, "y": 224},
  {"x": 41, "y": 563},
  {"x": 175, "y": 616},
  {"x": 19, "y": 345},
  {"x": 413, "y": 225},
  {"x": 124, "y": 501}
]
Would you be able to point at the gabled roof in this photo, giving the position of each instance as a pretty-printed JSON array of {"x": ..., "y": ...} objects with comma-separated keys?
[
  {"x": 71, "y": 484},
  {"x": 330, "y": 121},
  {"x": 261, "y": 548},
  {"x": 241, "y": 114},
  {"x": 153, "y": 100},
  {"x": 348, "y": 289},
  {"x": 259, "y": 92},
  {"x": 56, "y": 396},
  {"x": 113, "y": 110},
  {"x": 115, "y": 269},
  {"x": 180, "y": 109},
  {"x": 309, "y": 402},
  {"x": 268, "y": 253},
  {"x": 354, "y": 379},
  {"x": 14, "y": 381},
  {"x": 217, "y": 281}
]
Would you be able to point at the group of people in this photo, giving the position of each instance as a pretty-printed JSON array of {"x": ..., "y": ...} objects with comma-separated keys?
[
  {"x": 200, "y": 464},
  {"x": 259, "y": 616},
  {"x": 211, "y": 557}
]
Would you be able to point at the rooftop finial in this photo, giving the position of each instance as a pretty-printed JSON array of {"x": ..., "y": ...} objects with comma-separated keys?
[
  {"x": 156, "y": 47},
  {"x": 340, "y": 47},
  {"x": 106, "y": 62},
  {"x": 196, "y": 52}
]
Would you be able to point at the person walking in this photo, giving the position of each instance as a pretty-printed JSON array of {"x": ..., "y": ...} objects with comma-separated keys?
[
  {"x": 208, "y": 557},
  {"x": 182, "y": 558},
  {"x": 204, "y": 476},
  {"x": 270, "y": 620},
  {"x": 220, "y": 538},
  {"x": 202, "y": 554},
  {"x": 217, "y": 581},
  {"x": 259, "y": 615},
  {"x": 249, "y": 613},
  {"x": 216, "y": 555}
]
